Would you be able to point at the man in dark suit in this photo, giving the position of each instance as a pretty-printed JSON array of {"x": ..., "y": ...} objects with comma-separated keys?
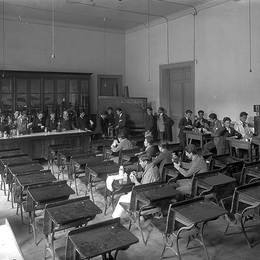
[
  {"x": 66, "y": 123},
  {"x": 185, "y": 124},
  {"x": 51, "y": 122},
  {"x": 83, "y": 123},
  {"x": 150, "y": 122},
  {"x": 38, "y": 123},
  {"x": 120, "y": 124}
]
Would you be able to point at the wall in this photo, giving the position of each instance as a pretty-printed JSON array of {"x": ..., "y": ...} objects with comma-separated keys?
[
  {"x": 223, "y": 82},
  {"x": 28, "y": 47}
]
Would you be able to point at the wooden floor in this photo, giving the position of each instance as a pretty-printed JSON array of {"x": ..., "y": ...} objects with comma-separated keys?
[{"x": 220, "y": 247}]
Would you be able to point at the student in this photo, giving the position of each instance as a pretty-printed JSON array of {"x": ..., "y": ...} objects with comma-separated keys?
[
  {"x": 226, "y": 131},
  {"x": 165, "y": 156},
  {"x": 83, "y": 123},
  {"x": 110, "y": 117},
  {"x": 103, "y": 124},
  {"x": 123, "y": 144},
  {"x": 22, "y": 122},
  {"x": 184, "y": 124},
  {"x": 197, "y": 165},
  {"x": 215, "y": 125},
  {"x": 164, "y": 125},
  {"x": 120, "y": 122},
  {"x": 151, "y": 150},
  {"x": 51, "y": 122},
  {"x": 242, "y": 126},
  {"x": 66, "y": 123},
  {"x": 150, "y": 123},
  {"x": 150, "y": 174},
  {"x": 200, "y": 121},
  {"x": 38, "y": 124}
]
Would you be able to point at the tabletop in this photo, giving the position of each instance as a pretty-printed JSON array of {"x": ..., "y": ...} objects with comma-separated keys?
[
  {"x": 72, "y": 211},
  {"x": 159, "y": 192},
  {"x": 16, "y": 160},
  {"x": 197, "y": 133},
  {"x": 11, "y": 153},
  {"x": 253, "y": 193},
  {"x": 102, "y": 238},
  {"x": 35, "y": 178},
  {"x": 198, "y": 212},
  {"x": 225, "y": 160},
  {"x": 25, "y": 168},
  {"x": 215, "y": 180},
  {"x": 84, "y": 159},
  {"x": 104, "y": 169},
  {"x": 50, "y": 192}
]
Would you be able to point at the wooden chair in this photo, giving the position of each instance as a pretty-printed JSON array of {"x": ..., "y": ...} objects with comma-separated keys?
[
  {"x": 250, "y": 172},
  {"x": 241, "y": 211},
  {"x": 135, "y": 210},
  {"x": 173, "y": 231},
  {"x": 234, "y": 170}
]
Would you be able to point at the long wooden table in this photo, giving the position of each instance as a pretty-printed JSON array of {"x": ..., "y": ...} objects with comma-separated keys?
[
  {"x": 197, "y": 135},
  {"x": 36, "y": 144}
]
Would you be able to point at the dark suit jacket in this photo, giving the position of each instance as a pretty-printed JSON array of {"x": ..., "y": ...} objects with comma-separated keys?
[
  {"x": 36, "y": 126},
  {"x": 67, "y": 124},
  {"x": 121, "y": 121},
  {"x": 51, "y": 124},
  {"x": 152, "y": 151},
  {"x": 182, "y": 124},
  {"x": 223, "y": 144}
]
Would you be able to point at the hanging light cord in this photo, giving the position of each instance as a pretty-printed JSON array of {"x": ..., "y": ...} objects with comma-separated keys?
[
  {"x": 250, "y": 35},
  {"x": 3, "y": 30},
  {"x": 53, "y": 29},
  {"x": 105, "y": 51},
  {"x": 149, "y": 39},
  {"x": 194, "y": 37}
]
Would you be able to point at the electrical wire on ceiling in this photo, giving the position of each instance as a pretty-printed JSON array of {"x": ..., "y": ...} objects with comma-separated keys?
[
  {"x": 3, "y": 38},
  {"x": 250, "y": 34},
  {"x": 52, "y": 29}
]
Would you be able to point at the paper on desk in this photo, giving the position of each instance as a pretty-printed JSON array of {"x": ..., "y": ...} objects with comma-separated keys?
[{"x": 110, "y": 180}]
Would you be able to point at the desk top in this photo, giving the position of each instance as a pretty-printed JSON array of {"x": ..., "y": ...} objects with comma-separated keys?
[
  {"x": 73, "y": 211},
  {"x": 35, "y": 178},
  {"x": 16, "y": 160},
  {"x": 160, "y": 192},
  {"x": 198, "y": 133},
  {"x": 50, "y": 193},
  {"x": 104, "y": 169},
  {"x": 11, "y": 153},
  {"x": 25, "y": 168},
  {"x": 43, "y": 134},
  {"x": 198, "y": 212},
  {"x": 83, "y": 159},
  {"x": 252, "y": 193},
  {"x": 102, "y": 238},
  {"x": 225, "y": 160},
  {"x": 215, "y": 180}
]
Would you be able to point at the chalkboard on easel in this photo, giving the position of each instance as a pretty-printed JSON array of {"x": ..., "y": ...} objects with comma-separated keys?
[{"x": 134, "y": 108}]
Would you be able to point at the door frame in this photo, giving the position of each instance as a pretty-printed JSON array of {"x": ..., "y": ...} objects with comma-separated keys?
[{"x": 164, "y": 83}]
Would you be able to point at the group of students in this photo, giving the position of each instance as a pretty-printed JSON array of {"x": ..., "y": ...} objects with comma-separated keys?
[{"x": 21, "y": 123}]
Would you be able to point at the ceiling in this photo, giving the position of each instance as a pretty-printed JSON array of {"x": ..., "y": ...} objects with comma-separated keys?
[{"x": 111, "y": 14}]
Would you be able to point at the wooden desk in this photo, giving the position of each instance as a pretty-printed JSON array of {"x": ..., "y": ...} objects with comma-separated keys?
[
  {"x": 242, "y": 145},
  {"x": 36, "y": 145},
  {"x": 222, "y": 161},
  {"x": 12, "y": 161},
  {"x": 197, "y": 135},
  {"x": 25, "y": 168},
  {"x": 160, "y": 192},
  {"x": 193, "y": 215},
  {"x": 100, "y": 239},
  {"x": 11, "y": 153}
]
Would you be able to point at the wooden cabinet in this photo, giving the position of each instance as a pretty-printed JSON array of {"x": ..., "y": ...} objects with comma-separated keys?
[{"x": 35, "y": 91}]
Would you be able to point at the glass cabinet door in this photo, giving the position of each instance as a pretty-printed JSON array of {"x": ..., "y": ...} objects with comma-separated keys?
[
  {"x": 35, "y": 97},
  {"x": 6, "y": 94},
  {"x": 21, "y": 94}
]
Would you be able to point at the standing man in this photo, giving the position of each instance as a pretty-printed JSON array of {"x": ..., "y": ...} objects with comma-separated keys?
[
  {"x": 242, "y": 126},
  {"x": 83, "y": 123},
  {"x": 120, "y": 124},
  {"x": 150, "y": 123},
  {"x": 185, "y": 124},
  {"x": 164, "y": 125}
]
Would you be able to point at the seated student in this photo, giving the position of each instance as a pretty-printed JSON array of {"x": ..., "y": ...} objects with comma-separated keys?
[
  {"x": 123, "y": 144},
  {"x": 51, "y": 122},
  {"x": 200, "y": 121},
  {"x": 38, "y": 124},
  {"x": 197, "y": 165},
  {"x": 242, "y": 126},
  {"x": 66, "y": 123},
  {"x": 83, "y": 123},
  {"x": 151, "y": 150},
  {"x": 149, "y": 175},
  {"x": 184, "y": 124},
  {"x": 165, "y": 156},
  {"x": 226, "y": 131},
  {"x": 215, "y": 125}
]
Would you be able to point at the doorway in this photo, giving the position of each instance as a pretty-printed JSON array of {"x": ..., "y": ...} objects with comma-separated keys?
[{"x": 177, "y": 87}]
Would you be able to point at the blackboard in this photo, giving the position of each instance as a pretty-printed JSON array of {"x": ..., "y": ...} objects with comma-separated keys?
[{"x": 134, "y": 108}]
